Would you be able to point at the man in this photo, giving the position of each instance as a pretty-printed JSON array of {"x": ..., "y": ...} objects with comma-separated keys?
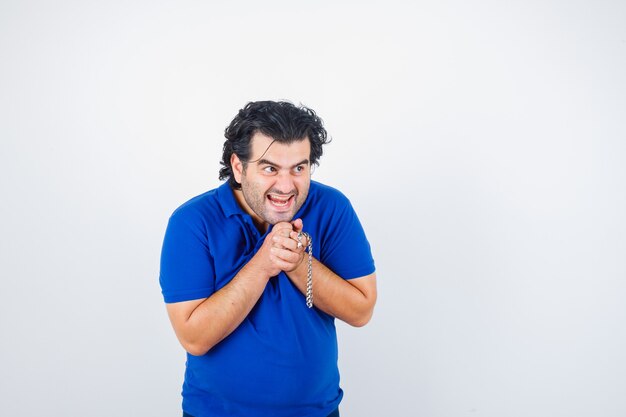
[{"x": 249, "y": 302}]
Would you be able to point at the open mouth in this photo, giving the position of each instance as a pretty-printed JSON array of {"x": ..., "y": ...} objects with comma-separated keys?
[{"x": 280, "y": 201}]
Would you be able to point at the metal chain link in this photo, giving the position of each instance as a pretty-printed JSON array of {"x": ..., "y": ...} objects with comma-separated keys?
[{"x": 309, "y": 272}]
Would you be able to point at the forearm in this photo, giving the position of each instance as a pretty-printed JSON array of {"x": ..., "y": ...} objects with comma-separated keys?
[
  {"x": 335, "y": 295},
  {"x": 217, "y": 316}
]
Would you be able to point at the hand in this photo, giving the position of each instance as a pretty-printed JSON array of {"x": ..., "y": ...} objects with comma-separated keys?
[
  {"x": 264, "y": 258},
  {"x": 285, "y": 252},
  {"x": 297, "y": 229}
]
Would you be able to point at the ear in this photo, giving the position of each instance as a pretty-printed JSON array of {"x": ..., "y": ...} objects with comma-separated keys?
[{"x": 237, "y": 167}]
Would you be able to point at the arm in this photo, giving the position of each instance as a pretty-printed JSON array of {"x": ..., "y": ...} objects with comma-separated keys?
[
  {"x": 201, "y": 324},
  {"x": 349, "y": 300}
]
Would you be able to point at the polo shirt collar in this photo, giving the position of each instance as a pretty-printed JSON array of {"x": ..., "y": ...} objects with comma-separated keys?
[{"x": 226, "y": 198}]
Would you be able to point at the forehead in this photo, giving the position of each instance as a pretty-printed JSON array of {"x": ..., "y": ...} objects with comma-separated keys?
[{"x": 264, "y": 147}]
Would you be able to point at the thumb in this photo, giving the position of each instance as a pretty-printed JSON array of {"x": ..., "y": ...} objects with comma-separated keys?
[{"x": 297, "y": 225}]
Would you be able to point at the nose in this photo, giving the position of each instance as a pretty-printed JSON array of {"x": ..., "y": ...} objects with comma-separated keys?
[{"x": 284, "y": 182}]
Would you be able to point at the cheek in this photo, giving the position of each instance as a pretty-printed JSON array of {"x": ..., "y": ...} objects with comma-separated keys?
[
  {"x": 259, "y": 186},
  {"x": 303, "y": 187}
]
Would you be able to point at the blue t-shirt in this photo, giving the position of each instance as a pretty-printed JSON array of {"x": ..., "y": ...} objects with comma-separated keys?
[{"x": 282, "y": 359}]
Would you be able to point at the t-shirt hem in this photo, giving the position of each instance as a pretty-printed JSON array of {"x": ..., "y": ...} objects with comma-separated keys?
[
  {"x": 186, "y": 296},
  {"x": 357, "y": 273}
]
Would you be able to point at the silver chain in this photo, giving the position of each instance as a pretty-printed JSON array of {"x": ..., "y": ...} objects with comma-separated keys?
[{"x": 309, "y": 271}]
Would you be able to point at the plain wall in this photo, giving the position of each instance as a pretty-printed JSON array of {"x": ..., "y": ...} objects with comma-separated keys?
[{"x": 483, "y": 145}]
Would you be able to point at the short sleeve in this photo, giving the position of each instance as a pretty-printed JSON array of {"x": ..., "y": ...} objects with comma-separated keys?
[
  {"x": 345, "y": 249},
  {"x": 187, "y": 268}
]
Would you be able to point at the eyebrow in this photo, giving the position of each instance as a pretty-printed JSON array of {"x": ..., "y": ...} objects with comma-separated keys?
[{"x": 268, "y": 162}]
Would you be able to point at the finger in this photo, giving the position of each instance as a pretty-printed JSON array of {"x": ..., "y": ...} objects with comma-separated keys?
[
  {"x": 283, "y": 225},
  {"x": 297, "y": 225},
  {"x": 303, "y": 239},
  {"x": 285, "y": 243},
  {"x": 281, "y": 264},
  {"x": 286, "y": 255},
  {"x": 282, "y": 229}
]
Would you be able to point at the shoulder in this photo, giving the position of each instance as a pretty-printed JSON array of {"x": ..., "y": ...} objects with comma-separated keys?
[
  {"x": 327, "y": 195},
  {"x": 326, "y": 205},
  {"x": 199, "y": 209}
]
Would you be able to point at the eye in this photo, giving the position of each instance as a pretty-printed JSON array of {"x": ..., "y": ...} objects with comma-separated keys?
[
  {"x": 269, "y": 169},
  {"x": 299, "y": 168}
]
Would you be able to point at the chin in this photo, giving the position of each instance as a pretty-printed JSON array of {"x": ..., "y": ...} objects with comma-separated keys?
[
  {"x": 280, "y": 219},
  {"x": 274, "y": 218}
]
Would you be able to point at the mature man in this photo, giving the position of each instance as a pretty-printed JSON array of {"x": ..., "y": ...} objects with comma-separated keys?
[{"x": 248, "y": 300}]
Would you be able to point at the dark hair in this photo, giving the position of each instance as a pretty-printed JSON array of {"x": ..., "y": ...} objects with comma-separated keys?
[{"x": 280, "y": 120}]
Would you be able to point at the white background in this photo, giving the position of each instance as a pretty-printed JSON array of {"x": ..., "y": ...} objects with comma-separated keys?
[{"x": 482, "y": 143}]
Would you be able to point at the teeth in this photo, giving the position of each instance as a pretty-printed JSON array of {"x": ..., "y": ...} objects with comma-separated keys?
[
  {"x": 279, "y": 201},
  {"x": 275, "y": 198}
]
